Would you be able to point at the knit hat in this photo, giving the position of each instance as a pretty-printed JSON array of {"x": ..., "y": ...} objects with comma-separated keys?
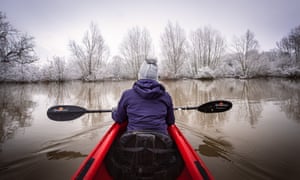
[{"x": 148, "y": 70}]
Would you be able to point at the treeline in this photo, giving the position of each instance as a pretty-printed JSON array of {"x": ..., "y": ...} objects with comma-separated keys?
[{"x": 202, "y": 53}]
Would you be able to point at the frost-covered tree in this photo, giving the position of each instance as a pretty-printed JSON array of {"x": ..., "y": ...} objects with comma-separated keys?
[
  {"x": 91, "y": 54},
  {"x": 117, "y": 70},
  {"x": 16, "y": 51},
  {"x": 294, "y": 38},
  {"x": 284, "y": 47},
  {"x": 246, "y": 53},
  {"x": 290, "y": 45},
  {"x": 58, "y": 68},
  {"x": 174, "y": 49},
  {"x": 135, "y": 48},
  {"x": 14, "y": 45},
  {"x": 280, "y": 64},
  {"x": 207, "y": 47}
]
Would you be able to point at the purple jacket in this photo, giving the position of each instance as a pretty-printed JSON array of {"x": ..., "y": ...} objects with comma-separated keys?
[{"x": 147, "y": 106}]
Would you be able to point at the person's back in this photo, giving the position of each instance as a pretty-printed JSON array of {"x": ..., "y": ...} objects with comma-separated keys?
[
  {"x": 147, "y": 106},
  {"x": 145, "y": 151}
]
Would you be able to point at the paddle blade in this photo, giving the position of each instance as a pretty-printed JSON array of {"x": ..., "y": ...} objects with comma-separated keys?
[
  {"x": 65, "y": 112},
  {"x": 215, "y": 106}
]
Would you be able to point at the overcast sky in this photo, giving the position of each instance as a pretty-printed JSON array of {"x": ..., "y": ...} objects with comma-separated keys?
[{"x": 54, "y": 23}]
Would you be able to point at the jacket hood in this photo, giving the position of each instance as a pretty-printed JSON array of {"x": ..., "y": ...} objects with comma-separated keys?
[{"x": 148, "y": 89}]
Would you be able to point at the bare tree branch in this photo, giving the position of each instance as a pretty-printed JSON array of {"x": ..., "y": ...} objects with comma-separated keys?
[
  {"x": 207, "y": 47},
  {"x": 246, "y": 53},
  {"x": 91, "y": 54},
  {"x": 135, "y": 48},
  {"x": 174, "y": 49}
]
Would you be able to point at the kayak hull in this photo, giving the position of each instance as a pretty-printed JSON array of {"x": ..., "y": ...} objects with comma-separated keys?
[{"x": 94, "y": 167}]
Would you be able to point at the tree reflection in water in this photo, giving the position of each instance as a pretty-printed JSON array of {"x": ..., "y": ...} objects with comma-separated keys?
[{"x": 16, "y": 107}]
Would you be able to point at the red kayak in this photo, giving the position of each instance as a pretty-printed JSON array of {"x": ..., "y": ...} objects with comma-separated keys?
[
  {"x": 140, "y": 155},
  {"x": 102, "y": 163}
]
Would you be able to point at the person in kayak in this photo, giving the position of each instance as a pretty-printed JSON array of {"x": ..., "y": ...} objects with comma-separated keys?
[{"x": 147, "y": 105}]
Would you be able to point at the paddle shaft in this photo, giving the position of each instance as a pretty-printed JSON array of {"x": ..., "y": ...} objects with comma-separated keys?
[
  {"x": 185, "y": 108},
  {"x": 109, "y": 110},
  {"x": 67, "y": 112},
  {"x": 99, "y": 111}
]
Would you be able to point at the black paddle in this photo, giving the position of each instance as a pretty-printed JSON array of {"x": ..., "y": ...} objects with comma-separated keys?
[{"x": 68, "y": 112}]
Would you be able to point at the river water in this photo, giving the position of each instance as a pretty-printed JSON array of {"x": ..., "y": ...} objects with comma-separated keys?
[{"x": 257, "y": 139}]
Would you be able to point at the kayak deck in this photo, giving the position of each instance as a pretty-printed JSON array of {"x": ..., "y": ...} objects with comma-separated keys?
[{"x": 94, "y": 166}]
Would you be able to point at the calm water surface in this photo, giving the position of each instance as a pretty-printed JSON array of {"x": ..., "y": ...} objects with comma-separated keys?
[{"x": 257, "y": 139}]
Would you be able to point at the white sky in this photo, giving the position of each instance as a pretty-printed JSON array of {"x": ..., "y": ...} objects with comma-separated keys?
[{"x": 54, "y": 23}]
